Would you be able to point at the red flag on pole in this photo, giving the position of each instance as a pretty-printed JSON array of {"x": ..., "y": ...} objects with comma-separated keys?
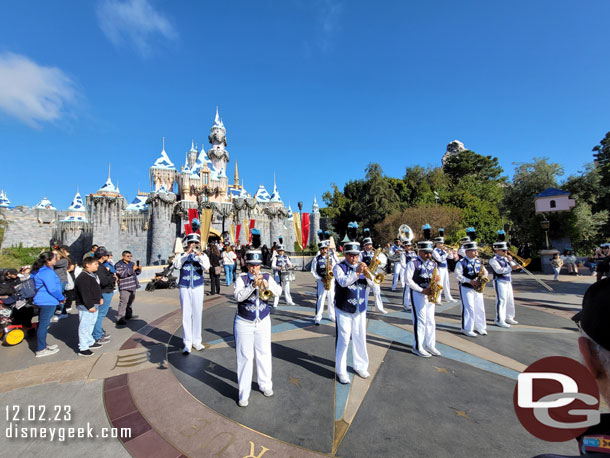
[
  {"x": 237, "y": 231},
  {"x": 305, "y": 229},
  {"x": 192, "y": 215},
  {"x": 251, "y": 227}
]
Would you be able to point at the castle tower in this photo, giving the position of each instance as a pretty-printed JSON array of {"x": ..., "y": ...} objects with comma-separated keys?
[
  {"x": 314, "y": 222},
  {"x": 219, "y": 154},
  {"x": 162, "y": 230},
  {"x": 163, "y": 172},
  {"x": 289, "y": 235},
  {"x": 74, "y": 230},
  {"x": 5, "y": 203},
  {"x": 105, "y": 209},
  {"x": 276, "y": 214}
]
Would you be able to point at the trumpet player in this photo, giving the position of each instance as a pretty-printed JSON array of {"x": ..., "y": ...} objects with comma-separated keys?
[
  {"x": 319, "y": 270},
  {"x": 468, "y": 271},
  {"x": 502, "y": 265},
  {"x": 440, "y": 255},
  {"x": 192, "y": 264},
  {"x": 419, "y": 277},
  {"x": 396, "y": 251},
  {"x": 408, "y": 256},
  {"x": 280, "y": 263},
  {"x": 366, "y": 256},
  {"x": 252, "y": 326}
]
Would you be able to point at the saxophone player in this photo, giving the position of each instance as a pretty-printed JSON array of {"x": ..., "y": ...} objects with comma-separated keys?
[
  {"x": 282, "y": 262},
  {"x": 366, "y": 256},
  {"x": 409, "y": 255},
  {"x": 419, "y": 277},
  {"x": 502, "y": 266},
  {"x": 440, "y": 255},
  {"x": 319, "y": 269},
  {"x": 469, "y": 271}
]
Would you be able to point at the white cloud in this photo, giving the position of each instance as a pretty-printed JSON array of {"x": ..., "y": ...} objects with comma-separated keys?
[
  {"x": 33, "y": 93},
  {"x": 328, "y": 23},
  {"x": 135, "y": 23}
]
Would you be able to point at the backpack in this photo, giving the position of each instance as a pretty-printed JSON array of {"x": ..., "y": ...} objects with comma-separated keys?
[{"x": 27, "y": 288}]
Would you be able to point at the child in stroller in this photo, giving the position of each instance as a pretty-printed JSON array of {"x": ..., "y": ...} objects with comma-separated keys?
[
  {"x": 16, "y": 317},
  {"x": 163, "y": 280}
]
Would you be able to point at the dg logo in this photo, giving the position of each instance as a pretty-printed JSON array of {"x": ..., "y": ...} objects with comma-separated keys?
[{"x": 556, "y": 399}]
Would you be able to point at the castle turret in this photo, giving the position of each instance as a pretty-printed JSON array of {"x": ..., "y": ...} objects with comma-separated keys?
[
  {"x": 162, "y": 229},
  {"x": 74, "y": 230},
  {"x": 218, "y": 152},
  {"x": 5, "y": 203},
  {"x": 163, "y": 172},
  {"x": 105, "y": 208},
  {"x": 314, "y": 222}
]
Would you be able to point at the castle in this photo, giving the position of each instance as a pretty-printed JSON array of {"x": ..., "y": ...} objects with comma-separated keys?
[{"x": 151, "y": 224}]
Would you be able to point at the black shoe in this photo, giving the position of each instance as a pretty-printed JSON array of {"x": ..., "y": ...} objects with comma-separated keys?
[
  {"x": 95, "y": 345},
  {"x": 85, "y": 353},
  {"x": 121, "y": 322}
]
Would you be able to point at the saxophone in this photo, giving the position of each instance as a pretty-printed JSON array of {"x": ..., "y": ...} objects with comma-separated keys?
[
  {"x": 328, "y": 275},
  {"x": 435, "y": 287},
  {"x": 482, "y": 279},
  {"x": 370, "y": 273}
]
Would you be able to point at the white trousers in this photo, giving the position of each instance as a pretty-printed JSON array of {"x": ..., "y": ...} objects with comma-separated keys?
[
  {"x": 399, "y": 274},
  {"x": 444, "y": 274},
  {"x": 286, "y": 291},
  {"x": 505, "y": 301},
  {"x": 424, "y": 325},
  {"x": 252, "y": 339},
  {"x": 191, "y": 301},
  {"x": 406, "y": 297},
  {"x": 351, "y": 325},
  {"x": 473, "y": 310},
  {"x": 377, "y": 295},
  {"x": 322, "y": 296}
]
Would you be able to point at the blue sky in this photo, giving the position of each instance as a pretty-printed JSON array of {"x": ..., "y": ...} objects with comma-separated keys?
[{"x": 312, "y": 90}]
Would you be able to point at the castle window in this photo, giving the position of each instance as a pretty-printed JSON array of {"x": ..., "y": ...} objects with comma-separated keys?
[{"x": 553, "y": 204}]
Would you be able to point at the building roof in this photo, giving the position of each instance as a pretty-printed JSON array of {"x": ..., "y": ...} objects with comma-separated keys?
[
  {"x": 138, "y": 203},
  {"x": 262, "y": 195},
  {"x": 77, "y": 204},
  {"x": 45, "y": 204},
  {"x": 552, "y": 192},
  {"x": 275, "y": 195},
  {"x": 4, "y": 202},
  {"x": 164, "y": 162},
  {"x": 74, "y": 219},
  {"x": 108, "y": 187}
]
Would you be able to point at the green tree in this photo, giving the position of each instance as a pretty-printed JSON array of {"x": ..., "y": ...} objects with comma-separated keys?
[{"x": 469, "y": 163}]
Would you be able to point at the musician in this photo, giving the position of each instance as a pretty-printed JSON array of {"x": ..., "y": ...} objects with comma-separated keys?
[
  {"x": 419, "y": 277},
  {"x": 192, "y": 265},
  {"x": 408, "y": 256},
  {"x": 396, "y": 251},
  {"x": 473, "y": 308},
  {"x": 252, "y": 326},
  {"x": 318, "y": 270},
  {"x": 461, "y": 252},
  {"x": 502, "y": 266},
  {"x": 366, "y": 256},
  {"x": 279, "y": 264},
  {"x": 441, "y": 255},
  {"x": 351, "y": 299}
]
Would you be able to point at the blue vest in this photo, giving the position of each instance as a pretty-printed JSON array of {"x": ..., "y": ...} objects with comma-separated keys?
[
  {"x": 503, "y": 263},
  {"x": 191, "y": 273},
  {"x": 410, "y": 256},
  {"x": 367, "y": 256},
  {"x": 443, "y": 255},
  {"x": 247, "y": 308},
  {"x": 352, "y": 298},
  {"x": 470, "y": 269},
  {"x": 423, "y": 272},
  {"x": 280, "y": 261},
  {"x": 321, "y": 265}
]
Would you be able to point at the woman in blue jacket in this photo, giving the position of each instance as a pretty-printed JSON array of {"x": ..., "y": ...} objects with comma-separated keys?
[{"x": 48, "y": 297}]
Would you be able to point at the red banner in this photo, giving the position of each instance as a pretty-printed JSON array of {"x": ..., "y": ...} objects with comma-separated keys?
[
  {"x": 192, "y": 215},
  {"x": 237, "y": 231},
  {"x": 305, "y": 229},
  {"x": 251, "y": 227}
]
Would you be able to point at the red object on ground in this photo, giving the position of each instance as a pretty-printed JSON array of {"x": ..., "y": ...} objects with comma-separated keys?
[{"x": 305, "y": 229}]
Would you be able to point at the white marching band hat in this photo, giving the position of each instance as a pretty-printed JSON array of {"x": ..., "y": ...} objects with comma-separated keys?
[
  {"x": 367, "y": 241},
  {"x": 351, "y": 248},
  {"x": 426, "y": 245},
  {"x": 500, "y": 246},
  {"x": 470, "y": 246},
  {"x": 324, "y": 244},
  {"x": 281, "y": 248},
  {"x": 439, "y": 240},
  {"x": 191, "y": 238}
]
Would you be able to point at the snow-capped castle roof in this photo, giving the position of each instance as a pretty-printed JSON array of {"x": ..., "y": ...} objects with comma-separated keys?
[
  {"x": 202, "y": 160},
  {"x": 138, "y": 203},
  {"x": 163, "y": 161},
  {"x": 108, "y": 187},
  {"x": 45, "y": 204},
  {"x": 275, "y": 195},
  {"x": 262, "y": 195},
  {"x": 289, "y": 212},
  {"x": 4, "y": 202},
  {"x": 77, "y": 204}
]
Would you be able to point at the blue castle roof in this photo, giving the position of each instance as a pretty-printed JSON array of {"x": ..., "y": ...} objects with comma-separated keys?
[{"x": 552, "y": 192}]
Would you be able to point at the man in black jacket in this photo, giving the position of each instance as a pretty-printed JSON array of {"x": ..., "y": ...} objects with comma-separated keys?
[
  {"x": 8, "y": 281},
  {"x": 107, "y": 283},
  {"x": 88, "y": 299}
]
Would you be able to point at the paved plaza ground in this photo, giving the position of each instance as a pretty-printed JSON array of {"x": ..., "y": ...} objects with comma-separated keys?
[{"x": 457, "y": 405}]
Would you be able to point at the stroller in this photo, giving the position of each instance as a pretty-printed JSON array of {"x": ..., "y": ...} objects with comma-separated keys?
[
  {"x": 16, "y": 317},
  {"x": 163, "y": 280}
]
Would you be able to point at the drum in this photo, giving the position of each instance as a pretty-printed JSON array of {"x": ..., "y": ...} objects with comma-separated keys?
[{"x": 287, "y": 275}]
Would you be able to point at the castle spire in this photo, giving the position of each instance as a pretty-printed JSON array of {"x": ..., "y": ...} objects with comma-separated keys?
[
  {"x": 164, "y": 144},
  {"x": 236, "y": 179},
  {"x": 217, "y": 120},
  {"x": 109, "y": 171}
]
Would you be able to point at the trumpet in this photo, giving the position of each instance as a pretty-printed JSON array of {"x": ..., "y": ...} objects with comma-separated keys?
[
  {"x": 264, "y": 293},
  {"x": 369, "y": 272}
]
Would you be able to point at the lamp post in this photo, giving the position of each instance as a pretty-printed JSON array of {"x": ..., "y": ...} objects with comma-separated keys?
[{"x": 545, "y": 224}]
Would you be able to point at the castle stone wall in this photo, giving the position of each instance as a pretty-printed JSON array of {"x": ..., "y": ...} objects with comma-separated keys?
[
  {"x": 161, "y": 207},
  {"x": 135, "y": 237},
  {"x": 76, "y": 235},
  {"x": 105, "y": 217},
  {"x": 31, "y": 227}
]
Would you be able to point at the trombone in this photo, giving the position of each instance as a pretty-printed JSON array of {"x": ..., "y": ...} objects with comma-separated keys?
[{"x": 523, "y": 262}]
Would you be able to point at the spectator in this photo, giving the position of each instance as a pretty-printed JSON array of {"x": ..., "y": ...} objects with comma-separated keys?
[
  {"x": 603, "y": 262},
  {"x": 556, "y": 262},
  {"x": 48, "y": 297},
  {"x": 265, "y": 252},
  {"x": 61, "y": 269},
  {"x": 90, "y": 253},
  {"x": 242, "y": 258},
  {"x": 228, "y": 259},
  {"x": 127, "y": 272},
  {"x": 24, "y": 273},
  {"x": 88, "y": 299},
  {"x": 107, "y": 282},
  {"x": 109, "y": 263},
  {"x": 215, "y": 269},
  {"x": 569, "y": 260},
  {"x": 8, "y": 282},
  {"x": 69, "y": 291}
]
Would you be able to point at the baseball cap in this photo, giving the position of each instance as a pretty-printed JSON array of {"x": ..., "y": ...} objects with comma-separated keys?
[{"x": 595, "y": 314}]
